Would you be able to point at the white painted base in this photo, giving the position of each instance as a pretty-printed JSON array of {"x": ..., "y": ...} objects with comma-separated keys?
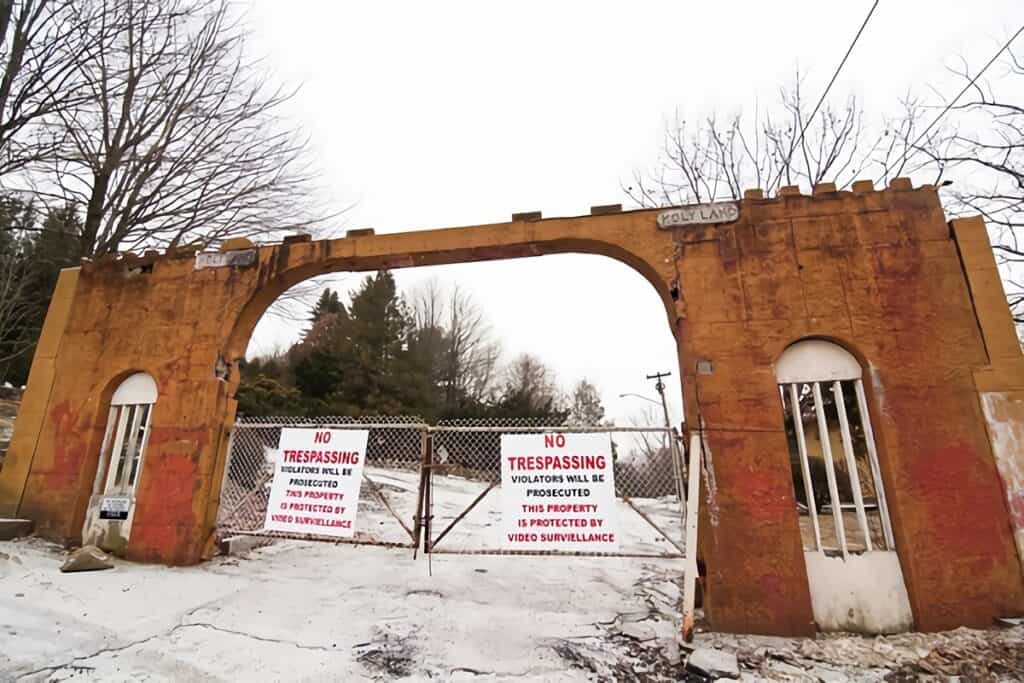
[
  {"x": 863, "y": 594},
  {"x": 108, "y": 534},
  {"x": 1004, "y": 414}
]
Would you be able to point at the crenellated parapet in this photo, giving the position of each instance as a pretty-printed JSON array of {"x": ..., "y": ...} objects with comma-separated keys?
[{"x": 916, "y": 300}]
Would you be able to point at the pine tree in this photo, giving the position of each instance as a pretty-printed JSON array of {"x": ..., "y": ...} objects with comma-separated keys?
[
  {"x": 42, "y": 251},
  {"x": 375, "y": 361},
  {"x": 328, "y": 303}
]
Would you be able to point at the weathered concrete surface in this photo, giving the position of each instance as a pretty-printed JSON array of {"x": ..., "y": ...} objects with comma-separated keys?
[
  {"x": 878, "y": 272},
  {"x": 863, "y": 593}
]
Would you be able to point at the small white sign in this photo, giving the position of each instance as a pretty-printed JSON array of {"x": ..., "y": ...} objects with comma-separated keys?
[
  {"x": 695, "y": 214},
  {"x": 223, "y": 259},
  {"x": 317, "y": 476},
  {"x": 558, "y": 493},
  {"x": 215, "y": 260},
  {"x": 115, "y": 507}
]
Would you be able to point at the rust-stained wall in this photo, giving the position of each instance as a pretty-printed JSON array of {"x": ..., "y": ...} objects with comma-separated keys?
[{"x": 879, "y": 272}]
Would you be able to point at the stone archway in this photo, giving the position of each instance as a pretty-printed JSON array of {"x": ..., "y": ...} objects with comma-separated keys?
[{"x": 838, "y": 264}]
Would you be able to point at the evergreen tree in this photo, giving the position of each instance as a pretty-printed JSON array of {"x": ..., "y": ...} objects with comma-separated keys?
[
  {"x": 262, "y": 395},
  {"x": 36, "y": 253},
  {"x": 328, "y": 303},
  {"x": 373, "y": 353}
]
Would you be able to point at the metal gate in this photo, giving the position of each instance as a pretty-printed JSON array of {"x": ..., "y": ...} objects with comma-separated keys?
[
  {"x": 435, "y": 487},
  {"x": 462, "y": 503},
  {"x": 389, "y": 508}
]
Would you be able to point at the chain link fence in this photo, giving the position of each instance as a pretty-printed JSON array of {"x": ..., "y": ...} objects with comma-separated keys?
[
  {"x": 436, "y": 485},
  {"x": 463, "y": 499},
  {"x": 388, "y": 505},
  {"x": 452, "y": 473}
]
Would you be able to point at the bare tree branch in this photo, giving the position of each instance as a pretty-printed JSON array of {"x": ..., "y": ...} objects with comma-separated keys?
[{"x": 181, "y": 141}]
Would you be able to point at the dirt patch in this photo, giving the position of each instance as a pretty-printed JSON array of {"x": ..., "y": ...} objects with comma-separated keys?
[{"x": 390, "y": 654}]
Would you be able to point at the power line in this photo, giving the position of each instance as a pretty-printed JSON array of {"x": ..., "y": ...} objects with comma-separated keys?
[
  {"x": 965, "y": 89},
  {"x": 829, "y": 86}
]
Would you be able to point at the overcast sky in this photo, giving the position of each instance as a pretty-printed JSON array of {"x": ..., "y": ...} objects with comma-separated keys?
[{"x": 439, "y": 114}]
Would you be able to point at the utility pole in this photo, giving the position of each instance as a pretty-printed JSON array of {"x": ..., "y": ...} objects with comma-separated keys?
[
  {"x": 678, "y": 467},
  {"x": 659, "y": 386}
]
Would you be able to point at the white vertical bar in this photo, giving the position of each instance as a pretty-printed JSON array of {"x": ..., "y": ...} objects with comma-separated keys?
[
  {"x": 227, "y": 465},
  {"x": 801, "y": 442},
  {"x": 115, "y": 452},
  {"x": 830, "y": 469},
  {"x": 142, "y": 448},
  {"x": 692, "y": 500},
  {"x": 129, "y": 454},
  {"x": 677, "y": 471},
  {"x": 104, "y": 452},
  {"x": 876, "y": 472},
  {"x": 851, "y": 463}
]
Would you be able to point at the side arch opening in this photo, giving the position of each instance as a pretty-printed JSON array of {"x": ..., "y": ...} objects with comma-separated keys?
[
  {"x": 856, "y": 582},
  {"x": 121, "y": 458}
]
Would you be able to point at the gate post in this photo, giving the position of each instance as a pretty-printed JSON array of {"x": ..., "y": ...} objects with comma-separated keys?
[{"x": 422, "y": 522}]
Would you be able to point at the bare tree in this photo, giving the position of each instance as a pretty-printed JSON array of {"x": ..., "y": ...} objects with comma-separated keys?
[
  {"x": 983, "y": 149},
  {"x": 718, "y": 157},
  {"x": 181, "y": 140},
  {"x": 456, "y": 336},
  {"x": 531, "y": 390},
  {"x": 41, "y": 44},
  {"x": 585, "y": 407}
]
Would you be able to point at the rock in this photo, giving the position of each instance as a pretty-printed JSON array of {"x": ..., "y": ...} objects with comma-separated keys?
[
  {"x": 713, "y": 663},
  {"x": 241, "y": 545},
  {"x": 638, "y": 631},
  {"x": 793, "y": 673},
  {"x": 85, "y": 559}
]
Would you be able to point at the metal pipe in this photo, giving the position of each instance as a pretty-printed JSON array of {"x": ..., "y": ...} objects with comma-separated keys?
[
  {"x": 830, "y": 468},
  {"x": 697, "y": 448},
  {"x": 851, "y": 462},
  {"x": 629, "y": 502},
  {"x": 876, "y": 473},
  {"x": 461, "y": 515},
  {"x": 380, "y": 495},
  {"x": 801, "y": 442}
]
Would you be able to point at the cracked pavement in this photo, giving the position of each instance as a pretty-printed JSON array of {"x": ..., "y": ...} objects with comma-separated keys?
[
  {"x": 305, "y": 611},
  {"x": 308, "y": 611}
]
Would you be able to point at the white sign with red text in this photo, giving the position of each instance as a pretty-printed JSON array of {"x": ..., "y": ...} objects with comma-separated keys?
[
  {"x": 317, "y": 475},
  {"x": 558, "y": 493}
]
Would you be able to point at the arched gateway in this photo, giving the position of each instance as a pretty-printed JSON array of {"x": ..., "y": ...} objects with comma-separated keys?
[{"x": 916, "y": 300}]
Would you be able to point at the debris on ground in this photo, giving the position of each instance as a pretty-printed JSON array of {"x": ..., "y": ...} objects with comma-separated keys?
[
  {"x": 705, "y": 661},
  {"x": 88, "y": 558},
  {"x": 307, "y": 610}
]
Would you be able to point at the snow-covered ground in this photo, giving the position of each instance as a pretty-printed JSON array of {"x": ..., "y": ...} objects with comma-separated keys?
[
  {"x": 304, "y": 610},
  {"x": 318, "y": 611}
]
